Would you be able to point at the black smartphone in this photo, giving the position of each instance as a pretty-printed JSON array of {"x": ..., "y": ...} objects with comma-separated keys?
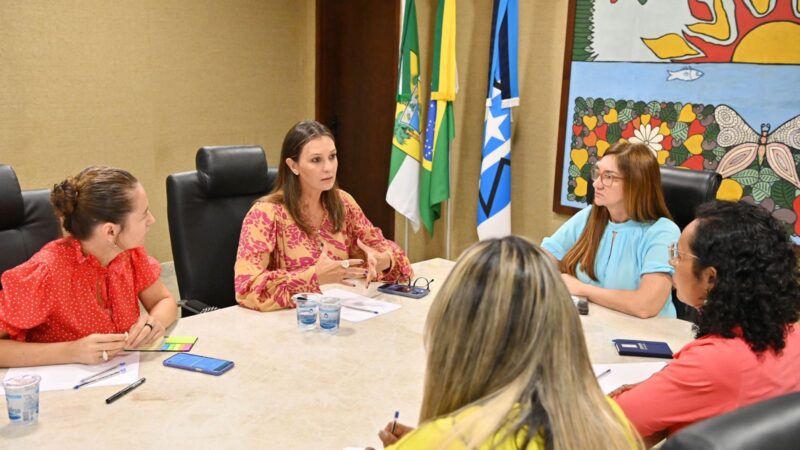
[
  {"x": 403, "y": 289},
  {"x": 197, "y": 363}
]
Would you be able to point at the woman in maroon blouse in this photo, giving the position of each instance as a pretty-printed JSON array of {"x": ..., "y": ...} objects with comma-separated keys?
[{"x": 77, "y": 299}]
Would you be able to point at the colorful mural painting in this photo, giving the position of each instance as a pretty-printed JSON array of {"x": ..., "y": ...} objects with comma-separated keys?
[{"x": 706, "y": 84}]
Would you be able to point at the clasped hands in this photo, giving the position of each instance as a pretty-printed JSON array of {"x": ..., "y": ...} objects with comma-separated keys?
[
  {"x": 340, "y": 271},
  {"x": 98, "y": 348}
]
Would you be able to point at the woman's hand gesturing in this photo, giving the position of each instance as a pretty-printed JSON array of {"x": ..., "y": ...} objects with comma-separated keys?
[
  {"x": 376, "y": 261},
  {"x": 338, "y": 271}
]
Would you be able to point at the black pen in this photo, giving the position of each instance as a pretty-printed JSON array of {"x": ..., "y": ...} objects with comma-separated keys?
[{"x": 127, "y": 389}]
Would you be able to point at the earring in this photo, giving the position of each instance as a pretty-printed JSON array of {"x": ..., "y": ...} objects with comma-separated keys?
[{"x": 296, "y": 173}]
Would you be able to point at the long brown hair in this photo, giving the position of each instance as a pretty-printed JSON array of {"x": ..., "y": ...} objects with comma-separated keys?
[
  {"x": 96, "y": 195},
  {"x": 287, "y": 187},
  {"x": 644, "y": 202},
  {"x": 504, "y": 335}
]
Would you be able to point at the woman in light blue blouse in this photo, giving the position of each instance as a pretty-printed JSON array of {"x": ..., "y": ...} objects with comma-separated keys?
[{"x": 616, "y": 251}]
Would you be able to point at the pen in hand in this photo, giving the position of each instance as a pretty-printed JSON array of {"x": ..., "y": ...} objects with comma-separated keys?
[{"x": 394, "y": 422}]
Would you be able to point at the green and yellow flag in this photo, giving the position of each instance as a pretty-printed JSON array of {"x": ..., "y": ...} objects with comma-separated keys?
[
  {"x": 434, "y": 186},
  {"x": 403, "y": 192}
]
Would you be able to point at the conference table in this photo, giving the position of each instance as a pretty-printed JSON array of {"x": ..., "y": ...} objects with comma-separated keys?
[{"x": 289, "y": 389}]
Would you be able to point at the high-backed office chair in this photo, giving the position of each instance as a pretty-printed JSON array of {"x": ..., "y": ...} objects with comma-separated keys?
[
  {"x": 27, "y": 221},
  {"x": 205, "y": 209},
  {"x": 772, "y": 424},
  {"x": 684, "y": 190}
]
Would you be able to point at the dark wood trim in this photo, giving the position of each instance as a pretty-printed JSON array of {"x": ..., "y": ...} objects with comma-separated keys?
[
  {"x": 317, "y": 58},
  {"x": 563, "y": 121}
]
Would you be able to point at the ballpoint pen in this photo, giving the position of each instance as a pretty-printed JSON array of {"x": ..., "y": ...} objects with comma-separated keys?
[
  {"x": 84, "y": 383},
  {"x": 394, "y": 422},
  {"x": 122, "y": 364},
  {"x": 362, "y": 309},
  {"x": 605, "y": 372}
]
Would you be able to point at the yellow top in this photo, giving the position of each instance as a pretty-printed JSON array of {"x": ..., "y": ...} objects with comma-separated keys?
[{"x": 435, "y": 432}]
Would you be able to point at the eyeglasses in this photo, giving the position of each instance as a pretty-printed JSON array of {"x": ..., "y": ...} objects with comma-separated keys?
[
  {"x": 423, "y": 280},
  {"x": 606, "y": 178},
  {"x": 675, "y": 255}
]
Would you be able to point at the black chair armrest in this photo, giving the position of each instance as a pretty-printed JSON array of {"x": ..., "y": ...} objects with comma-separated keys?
[{"x": 196, "y": 307}]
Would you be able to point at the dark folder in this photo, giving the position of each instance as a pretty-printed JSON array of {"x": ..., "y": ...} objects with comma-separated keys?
[{"x": 652, "y": 349}]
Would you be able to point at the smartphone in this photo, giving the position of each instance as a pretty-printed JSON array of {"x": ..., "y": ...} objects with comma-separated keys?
[
  {"x": 403, "y": 289},
  {"x": 582, "y": 303},
  {"x": 197, "y": 363}
]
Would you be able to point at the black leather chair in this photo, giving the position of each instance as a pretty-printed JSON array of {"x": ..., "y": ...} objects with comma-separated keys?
[
  {"x": 205, "y": 209},
  {"x": 773, "y": 424},
  {"x": 27, "y": 221},
  {"x": 684, "y": 190}
]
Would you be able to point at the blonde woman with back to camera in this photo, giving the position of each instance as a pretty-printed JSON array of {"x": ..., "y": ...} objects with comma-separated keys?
[{"x": 507, "y": 363}]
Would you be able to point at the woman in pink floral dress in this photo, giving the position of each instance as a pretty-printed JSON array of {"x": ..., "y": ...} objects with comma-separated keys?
[{"x": 308, "y": 232}]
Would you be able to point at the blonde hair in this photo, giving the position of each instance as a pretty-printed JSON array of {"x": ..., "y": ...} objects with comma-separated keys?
[
  {"x": 644, "y": 202},
  {"x": 504, "y": 335}
]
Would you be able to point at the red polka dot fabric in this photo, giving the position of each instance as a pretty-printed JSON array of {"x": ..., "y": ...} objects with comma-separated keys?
[{"x": 61, "y": 295}]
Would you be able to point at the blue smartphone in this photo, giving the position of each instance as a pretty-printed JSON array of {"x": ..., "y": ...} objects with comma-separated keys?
[
  {"x": 403, "y": 289},
  {"x": 197, "y": 363}
]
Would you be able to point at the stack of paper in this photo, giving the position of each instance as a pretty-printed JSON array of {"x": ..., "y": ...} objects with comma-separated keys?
[
  {"x": 356, "y": 308},
  {"x": 66, "y": 376},
  {"x": 612, "y": 376}
]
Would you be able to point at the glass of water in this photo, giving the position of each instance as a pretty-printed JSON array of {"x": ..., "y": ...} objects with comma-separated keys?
[
  {"x": 306, "y": 310},
  {"x": 329, "y": 309},
  {"x": 22, "y": 396}
]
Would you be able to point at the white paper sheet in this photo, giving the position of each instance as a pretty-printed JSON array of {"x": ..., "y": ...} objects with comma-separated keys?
[
  {"x": 625, "y": 373},
  {"x": 66, "y": 376},
  {"x": 359, "y": 301}
]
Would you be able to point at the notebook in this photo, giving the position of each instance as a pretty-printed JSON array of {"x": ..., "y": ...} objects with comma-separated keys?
[{"x": 633, "y": 347}]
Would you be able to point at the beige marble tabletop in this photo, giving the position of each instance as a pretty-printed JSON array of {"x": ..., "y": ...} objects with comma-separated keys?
[{"x": 289, "y": 389}]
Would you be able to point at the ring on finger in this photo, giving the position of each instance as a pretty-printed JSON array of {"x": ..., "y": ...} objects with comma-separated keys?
[
  {"x": 105, "y": 355},
  {"x": 345, "y": 264},
  {"x": 148, "y": 325}
]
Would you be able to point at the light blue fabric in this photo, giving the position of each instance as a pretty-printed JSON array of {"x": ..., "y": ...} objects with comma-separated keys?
[{"x": 637, "y": 249}]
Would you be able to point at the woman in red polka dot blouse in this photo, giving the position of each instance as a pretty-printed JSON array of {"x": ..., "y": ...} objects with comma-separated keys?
[{"x": 77, "y": 299}]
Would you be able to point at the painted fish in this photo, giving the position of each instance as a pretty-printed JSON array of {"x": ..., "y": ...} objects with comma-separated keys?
[{"x": 685, "y": 74}]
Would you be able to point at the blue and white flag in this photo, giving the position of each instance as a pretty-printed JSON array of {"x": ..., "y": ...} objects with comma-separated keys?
[{"x": 494, "y": 196}]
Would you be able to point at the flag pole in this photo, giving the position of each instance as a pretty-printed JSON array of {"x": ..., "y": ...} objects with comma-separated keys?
[
  {"x": 447, "y": 232},
  {"x": 405, "y": 240},
  {"x": 400, "y": 47}
]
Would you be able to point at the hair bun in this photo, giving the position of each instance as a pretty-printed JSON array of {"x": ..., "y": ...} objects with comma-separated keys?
[{"x": 65, "y": 197}]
